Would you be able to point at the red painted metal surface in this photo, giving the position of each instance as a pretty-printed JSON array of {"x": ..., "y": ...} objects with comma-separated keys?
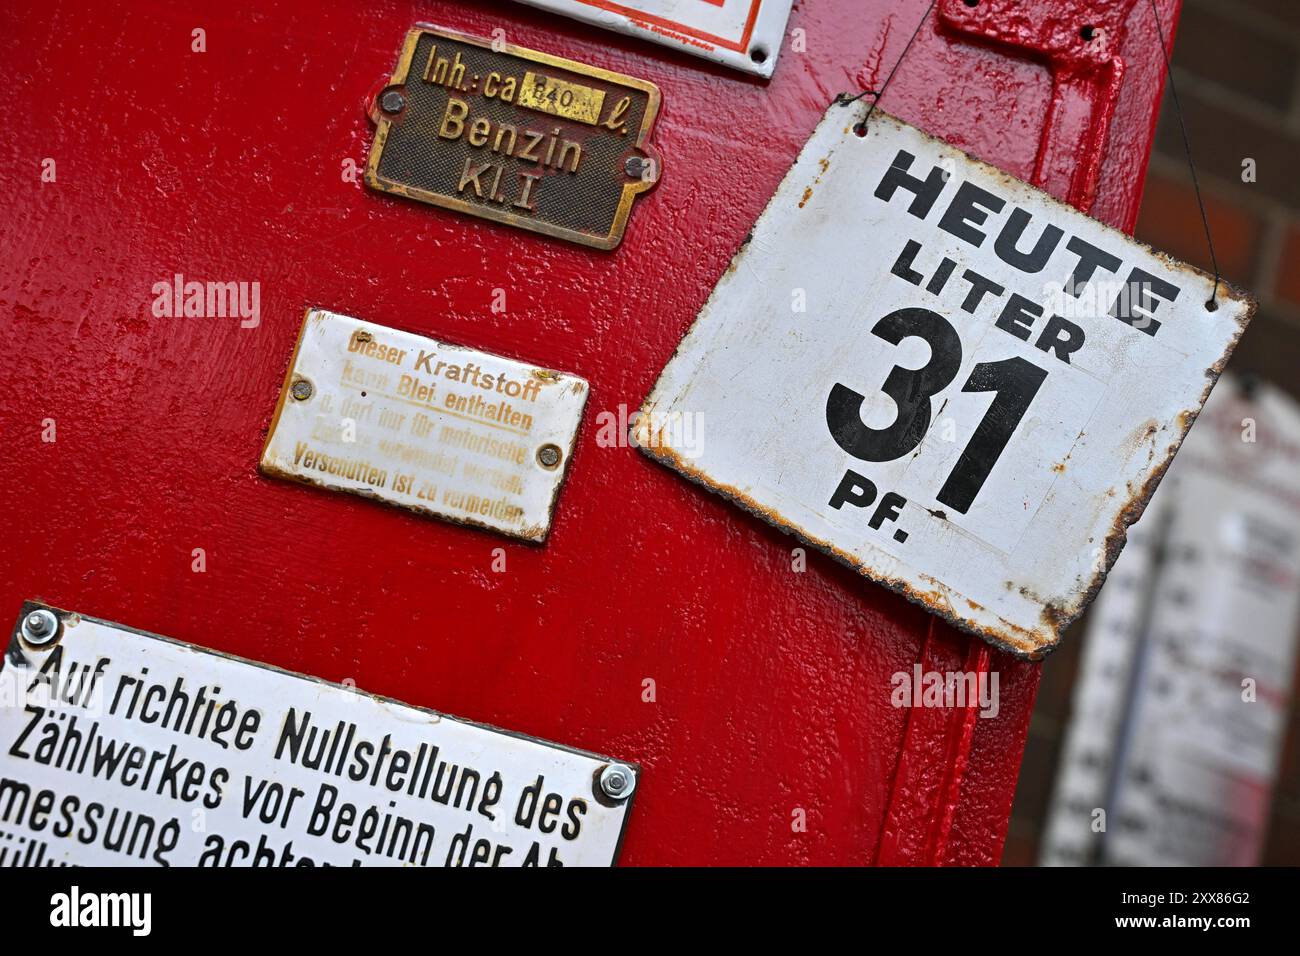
[{"x": 772, "y": 687}]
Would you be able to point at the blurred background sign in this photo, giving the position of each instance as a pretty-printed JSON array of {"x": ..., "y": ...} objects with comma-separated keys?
[
  {"x": 1179, "y": 712},
  {"x": 1237, "y": 69}
]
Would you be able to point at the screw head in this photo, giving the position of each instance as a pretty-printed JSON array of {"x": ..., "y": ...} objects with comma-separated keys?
[
  {"x": 40, "y": 626},
  {"x": 633, "y": 166},
  {"x": 392, "y": 102},
  {"x": 617, "y": 781},
  {"x": 548, "y": 456},
  {"x": 301, "y": 390}
]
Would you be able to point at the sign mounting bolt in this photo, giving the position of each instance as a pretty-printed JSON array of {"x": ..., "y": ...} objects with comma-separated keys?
[
  {"x": 302, "y": 390},
  {"x": 617, "y": 781},
  {"x": 40, "y": 626},
  {"x": 392, "y": 102},
  {"x": 548, "y": 456}
]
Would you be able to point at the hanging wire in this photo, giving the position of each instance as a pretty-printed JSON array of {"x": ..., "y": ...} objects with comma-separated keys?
[
  {"x": 1212, "y": 304},
  {"x": 875, "y": 95}
]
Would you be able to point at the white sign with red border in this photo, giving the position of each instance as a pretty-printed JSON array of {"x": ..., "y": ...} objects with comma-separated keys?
[{"x": 743, "y": 34}]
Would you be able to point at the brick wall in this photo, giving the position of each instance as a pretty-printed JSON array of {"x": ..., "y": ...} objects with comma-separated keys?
[{"x": 1237, "y": 69}]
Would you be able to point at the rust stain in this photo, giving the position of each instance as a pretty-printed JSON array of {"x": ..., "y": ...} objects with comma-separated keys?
[{"x": 825, "y": 164}]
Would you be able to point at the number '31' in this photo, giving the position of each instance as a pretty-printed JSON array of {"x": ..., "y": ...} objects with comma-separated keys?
[{"x": 1015, "y": 381}]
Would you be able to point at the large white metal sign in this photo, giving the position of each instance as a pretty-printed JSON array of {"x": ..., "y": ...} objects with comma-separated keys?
[
  {"x": 453, "y": 432},
  {"x": 942, "y": 376},
  {"x": 744, "y": 34},
  {"x": 119, "y": 748}
]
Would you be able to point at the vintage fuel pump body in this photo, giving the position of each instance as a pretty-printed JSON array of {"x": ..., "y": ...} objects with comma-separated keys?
[{"x": 751, "y": 682}]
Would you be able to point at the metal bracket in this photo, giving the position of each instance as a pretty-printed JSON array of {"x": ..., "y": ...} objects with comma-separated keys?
[{"x": 1079, "y": 43}]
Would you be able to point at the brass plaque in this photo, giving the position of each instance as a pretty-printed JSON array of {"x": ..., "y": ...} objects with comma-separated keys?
[{"x": 514, "y": 136}]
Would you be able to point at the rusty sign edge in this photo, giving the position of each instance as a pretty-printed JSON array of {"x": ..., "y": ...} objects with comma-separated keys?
[{"x": 1034, "y": 645}]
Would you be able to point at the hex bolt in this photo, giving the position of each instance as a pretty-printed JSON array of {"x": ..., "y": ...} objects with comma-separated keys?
[
  {"x": 392, "y": 102},
  {"x": 301, "y": 390},
  {"x": 617, "y": 781},
  {"x": 548, "y": 456},
  {"x": 633, "y": 166},
  {"x": 40, "y": 626}
]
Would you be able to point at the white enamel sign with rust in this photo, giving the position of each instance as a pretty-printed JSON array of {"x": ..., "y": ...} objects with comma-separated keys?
[
  {"x": 121, "y": 748},
  {"x": 743, "y": 34},
  {"x": 954, "y": 383},
  {"x": 448, "y": 431}
]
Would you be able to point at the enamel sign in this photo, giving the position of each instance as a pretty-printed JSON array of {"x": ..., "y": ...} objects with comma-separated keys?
[
  {"x": 437, "y": 429},
  {"x": 959, "y": 386},
  {"x": 742, "y": 34},
  {"x": 122, "y": 748}
]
